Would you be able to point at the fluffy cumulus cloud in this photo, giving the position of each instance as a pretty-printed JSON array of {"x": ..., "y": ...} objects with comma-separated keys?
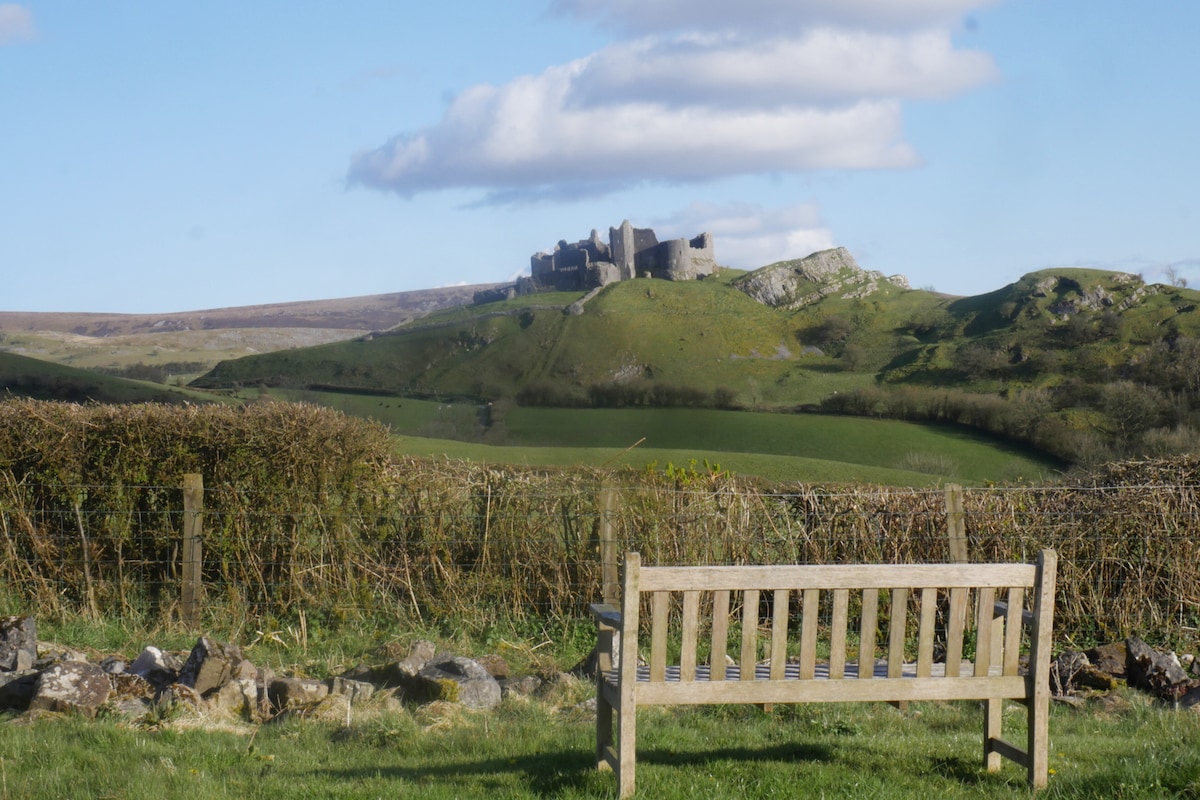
[
  {"x": 691, "y": 91},
  {"x": 16, "y": 23},
  {"x": 749, "y": 236}
]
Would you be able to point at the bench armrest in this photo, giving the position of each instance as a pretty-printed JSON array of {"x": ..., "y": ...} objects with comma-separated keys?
[
  {"x": 1001, "y": 610},
  {"x": 606, "y": 614}
]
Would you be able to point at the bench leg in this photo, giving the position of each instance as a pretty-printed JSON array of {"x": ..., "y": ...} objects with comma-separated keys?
[
  {"x": 993, "y": 722},
  {"x": 604, "y": 724},
  {"x": 1039, "y": 739},
  {"x": 626, "y": 749}
]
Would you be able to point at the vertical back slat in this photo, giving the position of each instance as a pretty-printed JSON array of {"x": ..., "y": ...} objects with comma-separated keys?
[
  {"x": 867, "y": 632},
  {"x": 808, "y": 633},
  {"x": 954, "y": 631},
  {"x": 689, "y": 635},
  {"x": 925, "y": 633},
  {"x": 899, "y": 617},
  {"x": 985, "y": 610},
  {"x": 1012, "y": 630},
  {"x": 837, "y": 633},
  {"x": 997, "y": 658},
  {"x": 749, "y": 633},
  {"x": 660, "y": 608},
  {"x": 720, "y": 634},
  {"x": 779, "y": 631}
]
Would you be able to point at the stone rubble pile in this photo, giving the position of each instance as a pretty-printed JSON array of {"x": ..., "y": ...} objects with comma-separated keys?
[
  {"x": 38, "y": 677},
  {"x": 1171, "y": 678}
]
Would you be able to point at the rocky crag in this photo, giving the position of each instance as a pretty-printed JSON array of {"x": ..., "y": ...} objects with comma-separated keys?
[{"x": 796, "y": 284}]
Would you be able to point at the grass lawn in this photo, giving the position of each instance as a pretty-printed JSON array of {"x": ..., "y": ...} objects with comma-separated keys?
[{"x": 543, "y": 749}]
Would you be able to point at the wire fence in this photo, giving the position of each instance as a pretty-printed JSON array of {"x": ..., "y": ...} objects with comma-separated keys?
[{"x": 529, "y": 545}]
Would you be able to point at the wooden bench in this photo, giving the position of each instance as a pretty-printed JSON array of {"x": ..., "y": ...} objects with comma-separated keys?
[{"x": 1004, "y": 608}]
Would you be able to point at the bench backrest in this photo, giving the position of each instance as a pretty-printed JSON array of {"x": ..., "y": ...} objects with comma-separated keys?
[{"x": 790, "y": 615}]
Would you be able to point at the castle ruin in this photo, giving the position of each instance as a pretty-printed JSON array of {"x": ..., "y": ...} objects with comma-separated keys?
[{"x": 629, "y": 253}]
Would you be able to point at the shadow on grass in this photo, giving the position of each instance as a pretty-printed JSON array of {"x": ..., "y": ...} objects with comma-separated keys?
[
  {"x": 544, "y": 774},
  {"x": 552, "y": 774},
  {"x": 782, "y": 752}
]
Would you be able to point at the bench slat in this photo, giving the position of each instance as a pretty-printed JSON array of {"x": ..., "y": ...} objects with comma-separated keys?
[
  {"x": 779, "y": 632},
  {"x": 1014, "y": 615},
  {"x": 749, "y": 633},
  {"x": 899, "y": 617},
  {"x": 867, "y": 632},
  {"x": 925, "y": 632},
  {"x": 837, "y": 633},
  {"x": 814, "y": 691},
  {"x": 720, "y": 632},
  {"x": 985, "y": 611},
  {"x": 830, "y": 576},
  {"x": 955, "y": 627},
  {"x": 659, "y": 609},
  {"x": 808, "y": 632},
  {"x": 690, "y": 634}
]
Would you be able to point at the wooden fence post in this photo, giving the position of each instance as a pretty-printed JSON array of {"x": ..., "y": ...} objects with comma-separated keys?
[
  {"x": 956, "y": 527},
  {"x": 193, "y": 547},
  {"x": 610, "y": 583}
]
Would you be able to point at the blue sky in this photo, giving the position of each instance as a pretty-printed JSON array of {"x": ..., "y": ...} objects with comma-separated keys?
[{"x": 163, "y": 157}]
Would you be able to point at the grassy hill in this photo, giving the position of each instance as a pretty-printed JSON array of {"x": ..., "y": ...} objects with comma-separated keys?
[
  {"x": 1083, "y": 364},
  {"x": 701, "y": 335},
  {"x": 22, "y": 376}
]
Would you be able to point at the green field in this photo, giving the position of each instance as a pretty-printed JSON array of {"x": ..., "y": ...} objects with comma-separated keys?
[{"x": 781, "y": 447}]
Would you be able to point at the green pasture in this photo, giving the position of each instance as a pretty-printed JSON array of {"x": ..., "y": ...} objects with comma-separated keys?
[{"x": 781, "y": 447}]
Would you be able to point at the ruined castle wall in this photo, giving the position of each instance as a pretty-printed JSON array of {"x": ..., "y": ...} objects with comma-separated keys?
[
  {"x": 704, "y": 258},
  {"x": 629, "y": 253},
  {"x": 647, "y": 258},
  {"x": 674, "y": 260},
  {"x": 621, "y": 243},
  {"x": 541, "y": 264}
]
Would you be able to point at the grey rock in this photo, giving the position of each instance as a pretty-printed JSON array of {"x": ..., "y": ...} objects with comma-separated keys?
[
  {"x": 525, "y": 686},
  {"x": 238, "y": 696},
  {"x": 285, "y": 693},
  {"x": 354, "y": 691},
  {"x": 476, "y": 688},
  {"x": 113, "y": 666},
  {"x": 399, "y": 672},
  {"x": 209, "y": 665},
  {"x": 71, "y": 686},
  {"x": 18, "y": 643},
  {"x": 1154, "y": 671},
  {"x": 158, "y": 668},
  {"x": 17, "y": 689}
]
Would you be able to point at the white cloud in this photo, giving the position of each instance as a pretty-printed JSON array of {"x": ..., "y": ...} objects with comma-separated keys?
[
  {"x": 711, "y": 98},
  {"x": 821, "y": 66},
  {"x": 648, "y": 16},
  {"x": 748, "y": 236},
  {"x": 16, "y": 23}
]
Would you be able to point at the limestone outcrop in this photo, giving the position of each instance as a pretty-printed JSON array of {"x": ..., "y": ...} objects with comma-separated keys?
[{"x": 796, "y": 284}]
